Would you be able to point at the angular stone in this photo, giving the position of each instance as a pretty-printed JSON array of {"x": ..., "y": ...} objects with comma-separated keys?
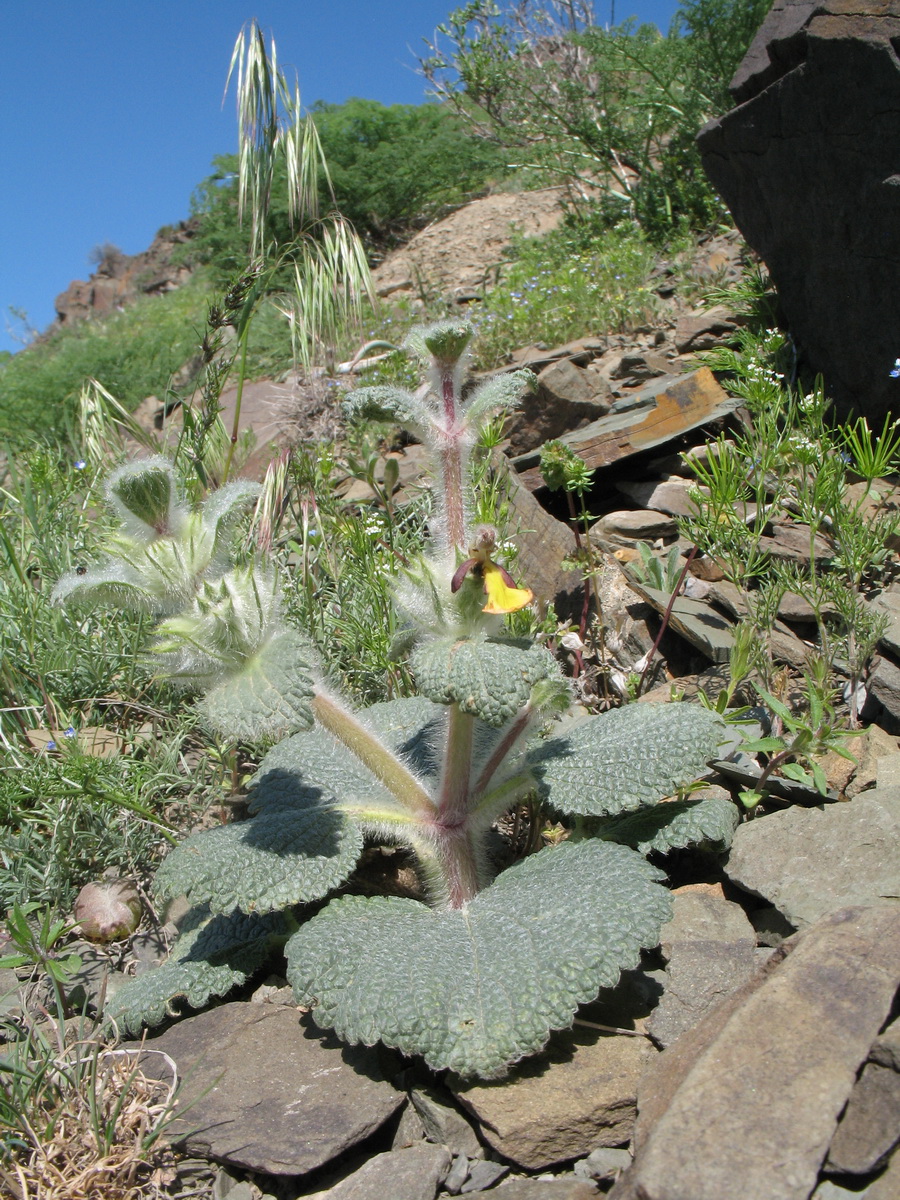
[
  {"x": 577, "y": 1096},
  {"x": 701, "y": 916},
  {"x": 482, "y": 1175},
  {"x": 805, "y": 164},
  {"x": 710, "y": 946},
  {"x": 566, "y": 397},
  {"x": 658, "y": 413},
  {"x": 811, "y": 861},
  {"x": 412, "y": 1174},
  {"x": 699, "y": 975},
  {"x": 604, "y": 1163},
  {"x": 870, "y": 1125},
  {"x": 636, "y": 525},
  {"x": 887, "y": 604},
  {"x": 672, "y": 496},
  {"x": 263, "y": 1091},
  {"x": 694, "y": 620},
  {"x": 747, "y": 1102},
  {"x": 443, "y": 1121},
  {"x": 884, "y": 689},
  {"x": 546, "y": 1189},
  {"x": 543, "y": 544},
  {"x": 703, "y": 330}
]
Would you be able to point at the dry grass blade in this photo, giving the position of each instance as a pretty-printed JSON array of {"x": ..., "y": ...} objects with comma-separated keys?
[
  {"x": 98, "y": 1132},
  {"x": 329, "y": 285},
  {"x": 104, "y": 423}
]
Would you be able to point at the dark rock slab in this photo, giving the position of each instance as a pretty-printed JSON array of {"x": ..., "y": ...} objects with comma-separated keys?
[
  {"x": 546, "y": 1189},
  {"x": 658, "y": 413},
  {"x": 412, "y": 1174},
  {"x": 870, "y": 1126},
  {"x": 811, "y": 861},
  {"x": 746, "y": 1103},
  {"x": 696, "y": 621},
  {"x": 264, "y": 1091},
  {"x": 543, "y": 544},
  {"x": 577, "y": 1096},
  {"x": 566, "y": 396},
  {"x": 806, "y": 164}
]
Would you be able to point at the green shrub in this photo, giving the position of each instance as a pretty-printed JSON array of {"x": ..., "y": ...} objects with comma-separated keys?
[{"x": 612, "y": 113}]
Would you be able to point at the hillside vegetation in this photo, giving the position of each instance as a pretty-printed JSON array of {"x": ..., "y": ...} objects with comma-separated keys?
[{"x": 518, "y": 105}]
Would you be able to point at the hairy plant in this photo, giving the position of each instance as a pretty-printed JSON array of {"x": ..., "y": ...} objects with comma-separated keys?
[{"x": 477, "y": 974}]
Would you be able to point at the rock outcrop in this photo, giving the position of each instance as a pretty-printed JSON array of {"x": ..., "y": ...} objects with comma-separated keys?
[
  {"x": 807, "y": 165},
  {"x": 121, "y": 278}
]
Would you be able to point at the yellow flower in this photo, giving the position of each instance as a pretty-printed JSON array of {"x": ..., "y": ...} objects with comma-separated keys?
[
  {"x": 502, "y": 593},
  {"x": 499, "y": 586}
]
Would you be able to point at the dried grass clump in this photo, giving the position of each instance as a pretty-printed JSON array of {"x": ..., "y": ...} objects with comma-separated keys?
[{"x": 94, "y": 1131}]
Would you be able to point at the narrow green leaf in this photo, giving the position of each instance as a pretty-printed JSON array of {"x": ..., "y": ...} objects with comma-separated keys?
[{"x": 796, "y": 772}]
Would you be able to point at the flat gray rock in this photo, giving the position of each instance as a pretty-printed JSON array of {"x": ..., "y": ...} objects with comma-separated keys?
[
  {"x": 811, "y": 861},
  {"x": 702, "y": 917},
  {"x": 711, "y": 950},
  {"x": 264, "y": 1091},
  {"x": 746, "y": 1104},
  {"x": 699, "y": 975},
  {"x": 412, "y": 1174},
  {"x": 578, "y": 1095},
  {"x": 546, "y": 1189},
  {"x": 870, "y": 1124}
]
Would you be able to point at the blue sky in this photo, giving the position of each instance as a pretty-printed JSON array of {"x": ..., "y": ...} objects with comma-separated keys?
[{"x": 112, "y": 112}]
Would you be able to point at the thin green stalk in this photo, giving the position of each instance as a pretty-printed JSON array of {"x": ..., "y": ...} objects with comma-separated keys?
[
  {"x": 396, "y": 777},
  {"x": 242, "y": 375}
]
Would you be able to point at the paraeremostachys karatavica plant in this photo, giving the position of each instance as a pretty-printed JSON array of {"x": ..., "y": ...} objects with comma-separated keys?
[{"x": 478, "y": 973}]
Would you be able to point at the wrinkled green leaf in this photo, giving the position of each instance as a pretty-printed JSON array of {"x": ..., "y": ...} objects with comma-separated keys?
[
  {"x": 273, "y": 860},
  {"x": 626, "y": 758},
  {"x": 315, "y": 767},
  {"x": 710, "y": 820},
  {"x": 268, "y": 696},
  {"x": 388, "y": 403},
  {"x": 488, "y": 677},
  {"x": 476, "y": 989},
  {"x": 209, "y": 959}
]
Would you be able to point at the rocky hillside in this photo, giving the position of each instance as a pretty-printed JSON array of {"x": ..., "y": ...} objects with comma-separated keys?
[{"x": 121, "y": 278}]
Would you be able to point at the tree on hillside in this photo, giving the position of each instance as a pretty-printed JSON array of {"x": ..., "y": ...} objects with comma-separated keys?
[{"x": 611, "y": 113}]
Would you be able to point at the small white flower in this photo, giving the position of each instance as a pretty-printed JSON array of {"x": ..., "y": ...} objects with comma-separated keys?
[{"x": 571, "y": 641}]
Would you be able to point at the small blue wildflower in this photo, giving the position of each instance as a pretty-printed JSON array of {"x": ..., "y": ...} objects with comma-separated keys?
[
  {"x": 69, "y": 733},
  {"x": 845, "y": 457},
  {"x": 51, "y": 745},
  {"x": 895, "y": 374},
  {"x": 80, "y": 464}
]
